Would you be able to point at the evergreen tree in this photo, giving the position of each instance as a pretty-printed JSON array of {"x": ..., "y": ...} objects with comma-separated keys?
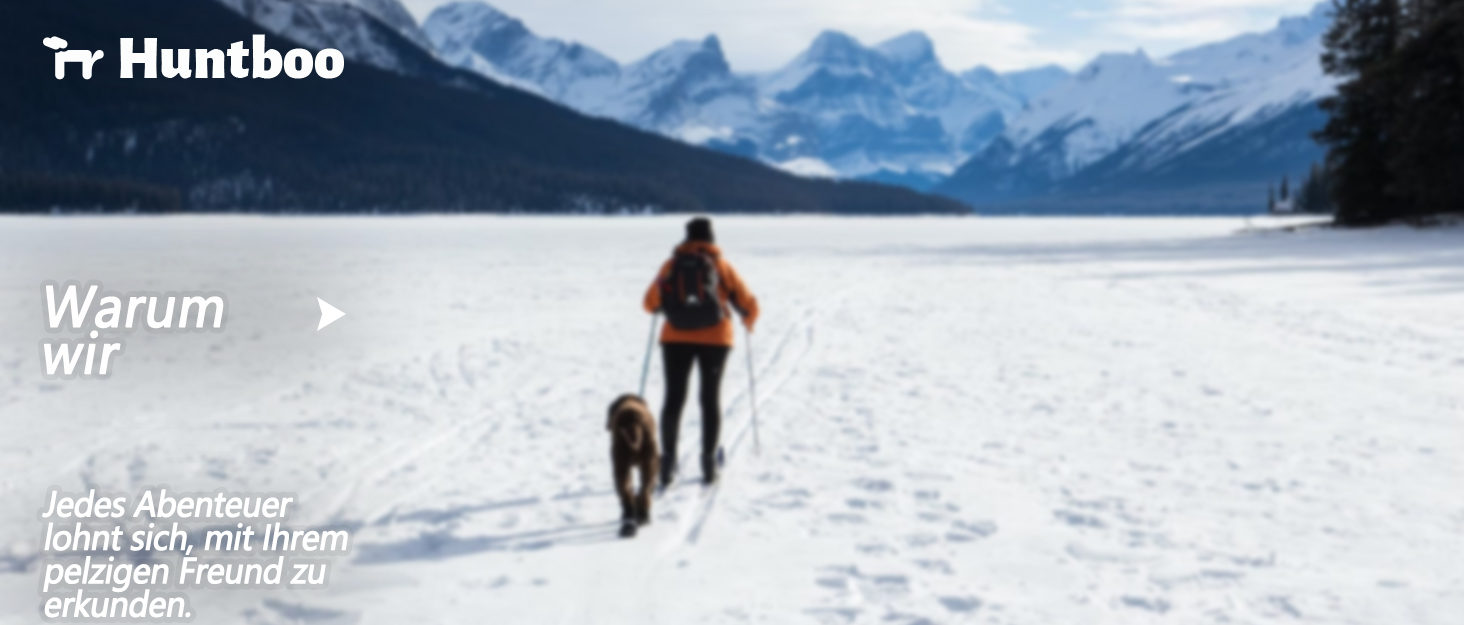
[
  {"x": 1360, "y": 51},
  {"x": 1314, "y": 195},
  {"x": 1428, "y": 133},
  {"x": 1396, "y": 134}
]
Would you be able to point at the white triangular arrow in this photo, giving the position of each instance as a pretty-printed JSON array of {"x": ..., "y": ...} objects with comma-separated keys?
[{"x": 328, "y": 314}]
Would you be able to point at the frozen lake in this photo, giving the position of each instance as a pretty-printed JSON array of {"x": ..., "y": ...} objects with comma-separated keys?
[{"x": 962, "y": 420}]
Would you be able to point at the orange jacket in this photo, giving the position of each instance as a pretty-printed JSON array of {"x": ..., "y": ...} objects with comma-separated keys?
[{"x": 731, "y": 289}]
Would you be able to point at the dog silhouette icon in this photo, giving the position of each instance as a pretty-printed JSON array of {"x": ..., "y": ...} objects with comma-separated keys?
[{"x": 63, "y": 56}]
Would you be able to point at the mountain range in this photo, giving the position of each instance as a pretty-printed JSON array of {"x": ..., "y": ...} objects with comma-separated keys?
[
  {"x": 1126, "y": 133},
  {"x": 1202, "y": 130},
  {"x": 399, "y": 130},
  {"x": 840, "y": 109}
]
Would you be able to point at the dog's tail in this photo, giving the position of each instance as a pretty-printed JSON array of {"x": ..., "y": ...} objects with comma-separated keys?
[{"x": 631, "y": 433}]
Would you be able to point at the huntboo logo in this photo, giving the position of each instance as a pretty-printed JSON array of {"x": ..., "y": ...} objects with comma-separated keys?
[
  {"x": 64, "y": 56},
  {"x": 264, "y": 63}
]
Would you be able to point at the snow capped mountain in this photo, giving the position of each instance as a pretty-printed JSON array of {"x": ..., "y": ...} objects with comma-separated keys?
[
  {"x": 1244, "y": 80},
  {"x": 380, "y": 33},
  {"x": 1128, "y": 113},
  {"x": 686, "y": 90},
  {"x": 839, "y": 108},
  {"x": 925, "y": 85},
  {"x": 913, "y": 113},
  {"x": 481, "y": 38},
  {"x": 836, "y": 77},
  {"x": 393, "y": 14},
  {"x": 1028, "y": 84},
  {"x": 1098, "y": 109},
  {"x": 843, "y": 107},
  {"x": 882, "y": 110}
]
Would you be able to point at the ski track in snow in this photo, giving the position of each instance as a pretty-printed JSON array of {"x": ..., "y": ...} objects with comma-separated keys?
[{"x": 986, "y": 421}]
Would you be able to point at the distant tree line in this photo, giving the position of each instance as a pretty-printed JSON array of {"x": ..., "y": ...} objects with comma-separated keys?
[
  {"x": 1314, "y": 195},
  {"x": 1396, "y": 133},
  {"x": 38, "y": 192}
]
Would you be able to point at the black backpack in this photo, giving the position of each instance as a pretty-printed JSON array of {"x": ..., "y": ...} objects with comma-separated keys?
[{"x": 690, "y": 294}]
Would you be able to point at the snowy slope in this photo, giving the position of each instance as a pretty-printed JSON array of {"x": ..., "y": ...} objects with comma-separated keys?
[
  {"x": 1100, "y": 107},
  {"x": 1127, "y": 421},
  {"x": 365, "y": 31},
  {"x": 478, "y": 37},
  {"x": 1112, "y": 98},
  {"x": 1153, "y": 110},
  {"x": 393, "y": 14},
  {"x": 1244, "y": 80}
]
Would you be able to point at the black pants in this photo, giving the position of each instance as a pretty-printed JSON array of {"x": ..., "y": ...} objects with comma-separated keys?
[{"x": 710, "y": 360}]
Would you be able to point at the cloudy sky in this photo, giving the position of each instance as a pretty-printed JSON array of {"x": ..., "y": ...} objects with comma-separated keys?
[{"x": 759, "y": 35}]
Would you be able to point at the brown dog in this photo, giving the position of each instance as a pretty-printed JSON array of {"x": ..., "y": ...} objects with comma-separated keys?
[{"x": 633, "y": 446}]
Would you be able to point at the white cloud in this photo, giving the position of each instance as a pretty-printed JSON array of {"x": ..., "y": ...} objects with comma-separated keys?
[{"x": 1169, "y": 24}]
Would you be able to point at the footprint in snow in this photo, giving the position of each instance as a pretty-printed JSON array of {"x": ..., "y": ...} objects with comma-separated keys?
[
  {"x": 874, "y": 485},
  {"x": 1145, "y": 603},
  {"x": 935, "y": 566},
  {"x": 786, "y": 500},
  {"x": 834, "y": 615},
  {"x": 961, "y": 604},
  {"x": 876, "y": 549},
  {"x": 967, "y": 531},
  {"x": 921, "y": 540},
  {"x": 879, "y": 587},
  {"x": 301, "y": 613},
  {"x": 1077, "y": 519},
  {"x": 870, "y": 587}
]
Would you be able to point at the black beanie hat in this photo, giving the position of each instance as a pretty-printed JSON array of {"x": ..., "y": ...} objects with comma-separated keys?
[{"x": 699, "y": 229}]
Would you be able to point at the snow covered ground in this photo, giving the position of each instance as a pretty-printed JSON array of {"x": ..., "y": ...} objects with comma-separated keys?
[{"x": 962, "y": 420}]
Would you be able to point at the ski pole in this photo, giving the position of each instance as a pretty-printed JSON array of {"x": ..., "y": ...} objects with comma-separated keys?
[
  {"x": 752, "y": 390},
  {"x": 650, "y": 342}
]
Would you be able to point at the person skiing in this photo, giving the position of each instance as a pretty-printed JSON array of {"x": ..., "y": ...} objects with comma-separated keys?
[{"x": 695, "y": 289}]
